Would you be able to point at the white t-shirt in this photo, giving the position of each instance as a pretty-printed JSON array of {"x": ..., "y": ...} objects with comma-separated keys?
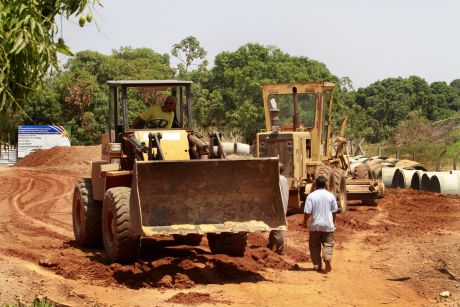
[
  {"x": 321, "y": 204},
  {"x": 284, "y": 188}
]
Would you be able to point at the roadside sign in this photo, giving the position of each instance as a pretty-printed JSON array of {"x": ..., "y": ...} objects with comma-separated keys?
[{"x": 32, "y": 138}]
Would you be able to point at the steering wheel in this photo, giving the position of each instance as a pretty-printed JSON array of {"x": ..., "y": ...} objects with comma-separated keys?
[{"x": 156, "y": 123}]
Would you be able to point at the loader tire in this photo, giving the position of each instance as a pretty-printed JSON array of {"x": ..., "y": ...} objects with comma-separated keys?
[
  {"x": 232, "y": 244},
  {"x": 86, "y": 215},
  {"x": 340, "y": 189},
  {"x": 327, "y": 173},
  {"x": 120, "y": 242},
  {"x": 192, "y": 239}
]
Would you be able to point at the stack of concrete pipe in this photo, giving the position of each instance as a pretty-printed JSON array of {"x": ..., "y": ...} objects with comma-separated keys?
[{"x": 407, "y": 174}]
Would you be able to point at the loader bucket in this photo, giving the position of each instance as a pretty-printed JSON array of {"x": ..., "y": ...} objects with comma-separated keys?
[{"x": 206, "y": 196}]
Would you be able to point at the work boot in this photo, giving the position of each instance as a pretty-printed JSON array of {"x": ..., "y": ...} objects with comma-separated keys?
[
  {"x": 317, "y": 268},
  {"x": 328, "y": 265}
]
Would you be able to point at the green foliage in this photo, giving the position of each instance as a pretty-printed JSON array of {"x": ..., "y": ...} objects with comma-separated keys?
[
  {"x": 188, "y": 51},
  {"x": 226, "y": 97},
  {"x": 413, "y": 130},
  {"x": 78, "y": 96},
  {"x": 37, "y": 302},
  {"x": 141, "y": 63},
  {"x": 379, "y": 108},
  {"x": 234, "y": 84},
  {"x": 28, "y": 48}
]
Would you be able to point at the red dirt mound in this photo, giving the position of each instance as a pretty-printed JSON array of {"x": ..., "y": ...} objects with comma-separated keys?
[
  {"x": 195, "y": 298},
  {"x": 163, "y": 264},
  {"x": 74, "y": 158}
]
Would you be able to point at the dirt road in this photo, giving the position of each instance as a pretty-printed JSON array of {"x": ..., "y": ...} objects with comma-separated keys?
[{"x": 404, "y": 252}]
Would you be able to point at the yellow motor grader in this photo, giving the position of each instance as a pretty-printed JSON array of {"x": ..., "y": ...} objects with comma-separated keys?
[
  {"x": 170, "y": 181},
  {"x": 298, "y": 122}
]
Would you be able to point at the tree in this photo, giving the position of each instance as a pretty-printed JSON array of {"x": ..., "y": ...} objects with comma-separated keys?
[
  {"x": 235, "y": 79},
  {"x": 28, "y": 48},
  {"x": 78, "y": 95},
  {"x": 187, "y": 52},
  {"x": 455, "y": 84}
]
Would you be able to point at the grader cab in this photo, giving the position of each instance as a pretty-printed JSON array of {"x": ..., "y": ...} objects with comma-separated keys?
[
  {"x": 170, "y": 181},
  {"x": 298, "y": 130}
]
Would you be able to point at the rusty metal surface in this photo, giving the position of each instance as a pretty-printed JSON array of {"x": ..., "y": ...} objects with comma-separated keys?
[
  {"x": 201, "y": 196},
  {"x": 279, "y": 145},
  {"x": 362, "y": 189}
]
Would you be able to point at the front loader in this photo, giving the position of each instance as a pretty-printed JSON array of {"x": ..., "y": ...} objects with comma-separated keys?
[
  {"x": 298, "y": 130},
  {"x": 160, "y": 181}
]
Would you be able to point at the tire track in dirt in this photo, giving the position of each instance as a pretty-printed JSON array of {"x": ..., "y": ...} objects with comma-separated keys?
[
  {"x": 54, "y": 210},
  {"x": 32, "y": 207}
]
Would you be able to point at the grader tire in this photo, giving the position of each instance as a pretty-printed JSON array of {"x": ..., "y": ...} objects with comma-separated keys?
[
  {"x": 232, "y": 244},
  {"x": 327, "y": 173},
  {"x": 120, "y": 242},
  {"x": 86, "y": 215},
  {"x": 340, "y": 189},
  {"x": 191, "y": 239}
]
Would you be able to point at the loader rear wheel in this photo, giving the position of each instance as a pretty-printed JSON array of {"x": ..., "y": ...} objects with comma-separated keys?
[
  {"x": 340, "y": 189},
  {"x": 120, "y": 242},
  {"x": 327, "y": 173},
  {"x": 232, "y": 244},
  {"x": 192, "y": 239},
  {"x": 86, "y": 215}
]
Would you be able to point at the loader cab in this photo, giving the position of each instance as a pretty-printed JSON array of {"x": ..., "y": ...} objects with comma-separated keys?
[{"x": 129, "y": 98}]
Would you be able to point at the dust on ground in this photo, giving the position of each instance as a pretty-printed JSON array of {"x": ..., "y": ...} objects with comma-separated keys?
[{"x": 405, "y": 250}]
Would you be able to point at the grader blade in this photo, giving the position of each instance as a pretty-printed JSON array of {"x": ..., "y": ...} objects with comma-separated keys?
[
  {"x": 206, "y": 196},
  {"x": 364, "y": 189}
]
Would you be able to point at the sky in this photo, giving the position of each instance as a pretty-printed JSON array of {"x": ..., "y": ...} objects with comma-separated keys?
[{"x": 365, "y": 40}]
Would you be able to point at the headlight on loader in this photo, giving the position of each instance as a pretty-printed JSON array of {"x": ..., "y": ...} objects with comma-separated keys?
[
  {"x": 115, "y": 161},
  {"x": 115, "y": 147}
]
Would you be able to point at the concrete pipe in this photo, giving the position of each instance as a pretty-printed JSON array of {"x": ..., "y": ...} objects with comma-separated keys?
[
  {"x": 455, "y": 172},
  {"x": 372, "y": 162},
  {"x": 402, "y": 178},
  {"x": 352, "y": 160},
  {"x": 375, "y": 168},
  {"x": 445, "y": 183},
  {"x": 409, "y": 164},
  {"x": 416, "y": 182},
  {"x": 379, "y": 157},
  {"x": 360, "y": 170},
  {"x": 235, "y": 148},
  {"x": 425, "y": 184},
  {"x": 392, "y": 160},
  {"x": 387, "y": 176},
  {"x": 354, "y": 165},
  {"x": 363, "y": 159},
  {"x": 387, "y": 164}
]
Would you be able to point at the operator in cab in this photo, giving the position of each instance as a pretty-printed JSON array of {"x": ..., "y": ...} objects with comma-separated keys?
[{"x": 157, "y": 116}]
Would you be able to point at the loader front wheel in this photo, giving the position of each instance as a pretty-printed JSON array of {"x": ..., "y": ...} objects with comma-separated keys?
[
  {"x": 86, "y": 215},
  {"x": 120, "y": 242},
  {"x": 232, "y": 244},
  {"x": 340, "y": 189},
  {"x": 190, "y": 239}
]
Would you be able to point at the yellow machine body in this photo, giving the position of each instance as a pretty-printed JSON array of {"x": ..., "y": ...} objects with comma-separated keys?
[{"x": 298, "y": 131}]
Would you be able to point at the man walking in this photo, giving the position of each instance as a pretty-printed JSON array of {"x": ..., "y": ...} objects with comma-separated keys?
[
  {"x": 276, "y": 237},
  {"x": 322, "y": 207}
]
